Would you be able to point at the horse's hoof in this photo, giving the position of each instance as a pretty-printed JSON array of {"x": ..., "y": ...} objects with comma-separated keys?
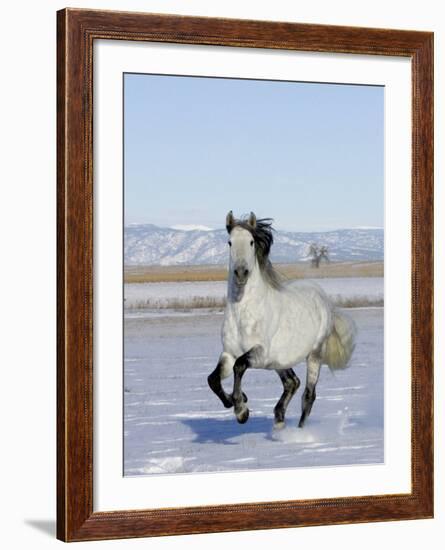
[
  {"x": 242, "y": 415},
  {"x": 279, "y": 425}
]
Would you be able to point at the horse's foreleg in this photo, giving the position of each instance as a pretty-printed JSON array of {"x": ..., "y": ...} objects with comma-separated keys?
[
  {"x": 308, "y": 398},
  {"x": 291, "y": 383},
  {"x": 241, "y": 409},
  {"x": 223, "y": 370},
  {"x": 253, "y": 358}
]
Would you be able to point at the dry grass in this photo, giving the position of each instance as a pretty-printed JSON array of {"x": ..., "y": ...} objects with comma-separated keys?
[
  {"x": 158, "y": 274},
  {"x": 192, "y": 302},
  {"x": 357, "y": 301},
  {"x": 219, "y": 303},
  {"x": 302, "y": 270}
]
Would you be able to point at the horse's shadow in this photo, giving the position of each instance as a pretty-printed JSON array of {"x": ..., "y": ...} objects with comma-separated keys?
[{"x": 222, "y": 431}]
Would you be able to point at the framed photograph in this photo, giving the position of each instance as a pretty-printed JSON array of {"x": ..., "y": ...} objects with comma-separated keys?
[{"x": 245, "y": 231}]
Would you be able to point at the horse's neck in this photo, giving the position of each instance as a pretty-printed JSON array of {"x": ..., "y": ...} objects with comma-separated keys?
[{"x": 254, "y": 290}]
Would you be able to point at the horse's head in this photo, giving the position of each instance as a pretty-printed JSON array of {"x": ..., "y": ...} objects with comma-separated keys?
[
  {"x": 250, "y": 241},
  {"x": 242, "y": 247}
]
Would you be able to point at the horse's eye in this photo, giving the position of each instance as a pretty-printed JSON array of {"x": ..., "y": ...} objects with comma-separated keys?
[
  {"x": 251, "y": 243},
  {"x": 229, "y": 243}
]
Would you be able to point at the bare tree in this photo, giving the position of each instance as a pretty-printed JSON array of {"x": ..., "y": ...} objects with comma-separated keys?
[
  {"x": 314, "y": 254},
  {"x": 324, "y": 253},
  {"x": 318, "y": 253}
]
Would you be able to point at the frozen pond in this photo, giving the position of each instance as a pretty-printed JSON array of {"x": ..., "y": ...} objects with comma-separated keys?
[{"x": 174, "y": 423}]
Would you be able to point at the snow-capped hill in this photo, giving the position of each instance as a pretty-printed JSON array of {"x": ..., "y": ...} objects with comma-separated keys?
[
  {"x": 149, "y": 244},
  {"x": 187, "y": 227}
]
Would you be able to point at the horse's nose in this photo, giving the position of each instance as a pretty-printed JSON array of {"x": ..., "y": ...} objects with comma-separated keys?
[{"x": 241, "y": 274}]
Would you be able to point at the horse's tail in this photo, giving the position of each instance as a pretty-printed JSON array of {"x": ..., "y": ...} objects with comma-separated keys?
[{"x": 340, "y": 343}]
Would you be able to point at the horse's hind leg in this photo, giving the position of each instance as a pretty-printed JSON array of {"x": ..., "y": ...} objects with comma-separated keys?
[
  {"x": 308, "y": 398},
  {"x": 291, "y": 384},
  {"x": 224, "y": 369}
]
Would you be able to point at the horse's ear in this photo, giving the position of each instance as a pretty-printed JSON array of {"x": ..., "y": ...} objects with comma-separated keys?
[
  {"x": 230, "y": 220},
  {"x": 252, "y": 220}
]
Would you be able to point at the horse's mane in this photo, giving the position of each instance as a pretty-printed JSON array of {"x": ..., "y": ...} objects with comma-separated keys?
[{"x": 262, "y": 235}]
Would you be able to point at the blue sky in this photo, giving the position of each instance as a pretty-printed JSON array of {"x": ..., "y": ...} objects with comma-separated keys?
[{"x": 308, "y": 155}]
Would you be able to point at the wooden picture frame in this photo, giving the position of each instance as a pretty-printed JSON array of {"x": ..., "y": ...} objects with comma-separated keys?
[{"x": 76, "y": 32}]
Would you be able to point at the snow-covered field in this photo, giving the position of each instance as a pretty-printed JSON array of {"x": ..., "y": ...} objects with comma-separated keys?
[
  {"x": 174, "y": 423},
  {"x": 211, "y": 294}
]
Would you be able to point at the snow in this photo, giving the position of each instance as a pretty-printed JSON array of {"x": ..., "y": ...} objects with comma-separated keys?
[
  {"x": 187, "y": 227},
  {"x": 174, "y": 423},
  {"x": 164, "y": 295},
  {"x": 156, "y": 295},
  {"x": 149, "y": 244}
]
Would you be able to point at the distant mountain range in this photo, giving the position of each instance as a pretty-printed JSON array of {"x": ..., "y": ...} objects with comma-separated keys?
[{"x": 148, "y": 244}]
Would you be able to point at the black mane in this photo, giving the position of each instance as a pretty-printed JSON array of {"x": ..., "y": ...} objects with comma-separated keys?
[{"x": 262, "y": 235}]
